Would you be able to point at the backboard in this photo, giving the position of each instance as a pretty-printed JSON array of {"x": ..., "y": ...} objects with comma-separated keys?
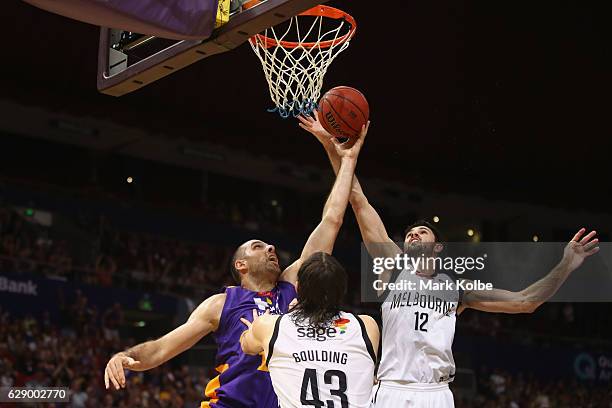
[{"x": 129, "y": 61}]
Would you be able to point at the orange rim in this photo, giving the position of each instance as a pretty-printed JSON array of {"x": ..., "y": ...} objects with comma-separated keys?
[{"x": 317, "y": 11}]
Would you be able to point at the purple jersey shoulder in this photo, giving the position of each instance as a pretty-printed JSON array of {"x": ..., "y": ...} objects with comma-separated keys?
[{"x": 240, "y": 373}]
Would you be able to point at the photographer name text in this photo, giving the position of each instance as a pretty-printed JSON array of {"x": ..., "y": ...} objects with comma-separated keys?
[{"x": 428, "y": 284}]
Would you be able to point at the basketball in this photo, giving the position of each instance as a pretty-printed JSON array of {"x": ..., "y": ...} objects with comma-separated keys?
[{"x": 343, "y": 111}]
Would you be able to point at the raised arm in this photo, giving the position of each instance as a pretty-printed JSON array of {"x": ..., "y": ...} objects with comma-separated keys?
[
  {"x": 372, "y": 228},
  {"x": 373, "y": 231},
  {"x": 322, "y": 239},
  {"x": 144, "y": 356},
  {"x": 530, "y": 298}
]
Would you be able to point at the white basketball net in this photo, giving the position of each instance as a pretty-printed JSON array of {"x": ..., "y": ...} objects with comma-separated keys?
[{"x": 295, "y": 74}]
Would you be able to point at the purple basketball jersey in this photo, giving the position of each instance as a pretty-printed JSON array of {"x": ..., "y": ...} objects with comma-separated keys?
[{"x": 243, "y": 380}]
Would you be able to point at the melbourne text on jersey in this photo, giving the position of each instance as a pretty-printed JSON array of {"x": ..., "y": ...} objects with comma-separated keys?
[{"x": 425, "y": 301}]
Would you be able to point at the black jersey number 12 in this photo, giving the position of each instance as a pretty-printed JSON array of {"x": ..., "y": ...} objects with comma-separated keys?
[{"x": 420, "y": 318}]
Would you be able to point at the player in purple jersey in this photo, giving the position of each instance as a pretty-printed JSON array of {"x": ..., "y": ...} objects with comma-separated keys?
[{"x": 243, "y": 380}]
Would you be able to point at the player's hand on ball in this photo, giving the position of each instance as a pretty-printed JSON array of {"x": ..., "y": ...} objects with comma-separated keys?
[
  {"x": 114, "y": 370},
  {"x": 352, "y": 147},
  {"x": 311, "y": 124},
  {"x": 578, "y": 249}
]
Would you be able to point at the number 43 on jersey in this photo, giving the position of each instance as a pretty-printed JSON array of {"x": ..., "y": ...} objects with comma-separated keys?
[{"x": 310, "y": 386}]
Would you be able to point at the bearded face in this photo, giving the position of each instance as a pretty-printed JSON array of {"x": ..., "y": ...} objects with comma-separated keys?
[
  {"x": 419, "y": 241},
  {"x": 260, "y": 259}
]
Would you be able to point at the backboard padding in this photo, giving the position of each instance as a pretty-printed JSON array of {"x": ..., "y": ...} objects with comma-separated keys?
[{"x": 180, "y": 54}]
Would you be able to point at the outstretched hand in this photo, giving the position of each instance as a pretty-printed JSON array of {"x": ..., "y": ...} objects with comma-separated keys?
[
  {"x": 114, "y": 370},
  {"x": 577, "y": 250},
  {"x": 352, "y": 147},
  {"x": 311, "y": 124}
]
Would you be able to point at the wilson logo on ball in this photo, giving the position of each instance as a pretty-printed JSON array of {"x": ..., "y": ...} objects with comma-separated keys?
[{"x": 334, "y": 124}]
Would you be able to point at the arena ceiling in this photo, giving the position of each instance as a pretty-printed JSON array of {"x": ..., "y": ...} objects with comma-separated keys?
[{"x": 503, "y": 100}]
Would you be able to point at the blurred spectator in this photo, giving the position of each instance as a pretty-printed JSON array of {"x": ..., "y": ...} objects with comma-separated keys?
[
  {"x": 111, "y": 321},
  {"x": 35, "y": 354},
  {"x": 197, "y": 269},
  {"x": 105, "y": 270},
  {"x": 498, "y": 383},
  {"x": 124, "y": 259},
  {"x": 78, "y": 395}
]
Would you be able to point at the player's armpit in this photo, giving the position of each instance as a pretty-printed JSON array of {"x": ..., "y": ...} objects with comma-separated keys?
[
  {"x": 372, "y": 228},
  {"x": 290, "y": 273}
]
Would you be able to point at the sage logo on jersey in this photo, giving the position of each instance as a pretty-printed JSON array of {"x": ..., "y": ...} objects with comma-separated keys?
[
  {"x": 317, "y": 333},
  {"x": 323, "y": 333}
]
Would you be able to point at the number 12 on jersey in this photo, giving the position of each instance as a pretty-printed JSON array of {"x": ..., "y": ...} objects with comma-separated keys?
[
  {"x": 420, "y": 320},
  {"x": 310, "y": 386}
]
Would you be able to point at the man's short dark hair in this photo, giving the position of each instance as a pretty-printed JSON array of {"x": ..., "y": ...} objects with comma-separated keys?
[
  {"x": 422, "y": 223},
  {"x": 238, "y": 254}
]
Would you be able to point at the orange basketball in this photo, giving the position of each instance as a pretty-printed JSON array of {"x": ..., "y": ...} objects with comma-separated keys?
[{"x": 343, "y": 111}]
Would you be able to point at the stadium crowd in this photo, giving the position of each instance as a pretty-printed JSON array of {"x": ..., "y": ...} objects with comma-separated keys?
[
  {"x": 125, "y": 259},
  {"x": 38, "y": 352},
  {"x": 73, "y": 351},
  {"x": 500, "y": 389},
  {"x": 117, "y": 258}
]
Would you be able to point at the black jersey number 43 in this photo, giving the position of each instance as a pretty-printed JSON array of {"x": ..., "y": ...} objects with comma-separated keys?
[{"x": 311, "y": 386}]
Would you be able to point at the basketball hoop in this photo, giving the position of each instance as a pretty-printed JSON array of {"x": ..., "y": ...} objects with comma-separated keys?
[{"x": 295, "y": 60}]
